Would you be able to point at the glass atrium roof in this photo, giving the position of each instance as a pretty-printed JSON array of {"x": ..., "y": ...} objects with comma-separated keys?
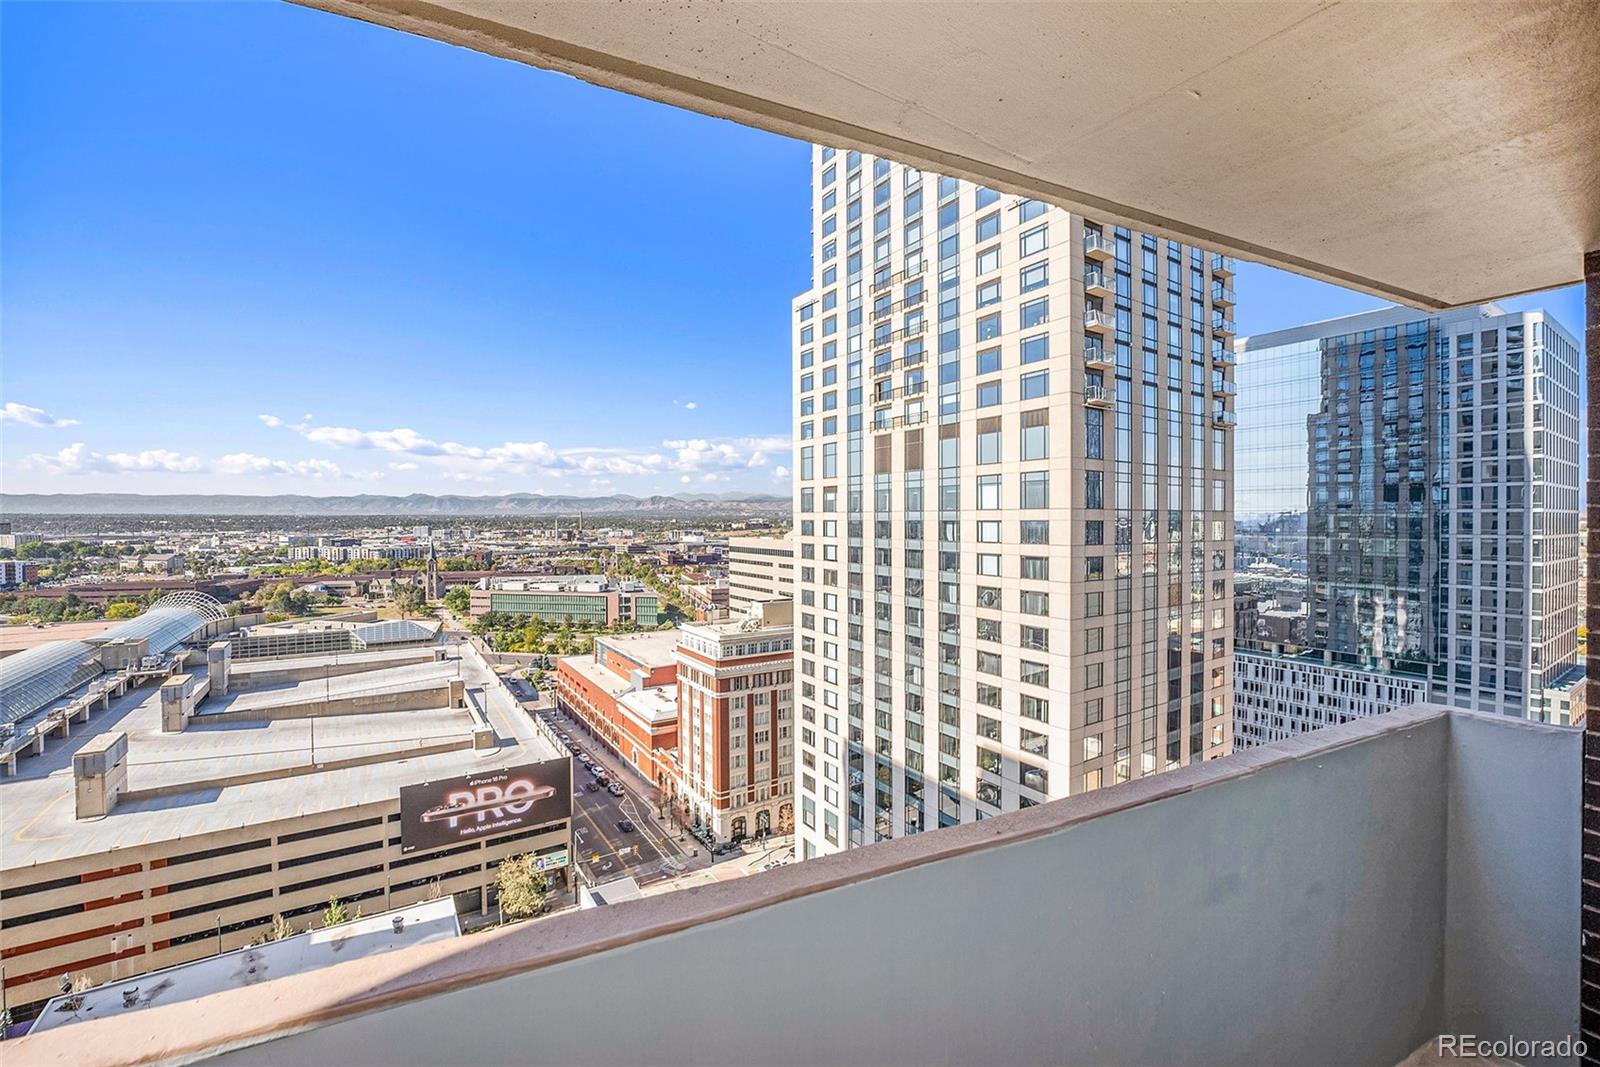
[{"x": 33, "y": 679}]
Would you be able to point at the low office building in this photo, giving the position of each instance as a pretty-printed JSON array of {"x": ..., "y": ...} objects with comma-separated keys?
[
  {"x": 333, "y": 635},
  {"x": 593, "y": 600},
  {"x": 160, "y": 824},
  {"x": 625, "y": 693},
  {"x": 735, "y": 722},
  {"x": 759, "y": 568}
]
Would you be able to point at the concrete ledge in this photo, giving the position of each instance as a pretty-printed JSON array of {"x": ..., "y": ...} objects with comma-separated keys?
[
  {"x": 130, "y": 795},
  {"x": 257, "y": 673},
  {"x": 365, "y": 704}
]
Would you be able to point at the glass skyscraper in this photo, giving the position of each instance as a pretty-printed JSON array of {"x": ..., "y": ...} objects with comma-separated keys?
[{"x": 1406, "y": 519}]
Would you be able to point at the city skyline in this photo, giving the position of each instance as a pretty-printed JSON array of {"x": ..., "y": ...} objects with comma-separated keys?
[{"x": 470, "y": 331}]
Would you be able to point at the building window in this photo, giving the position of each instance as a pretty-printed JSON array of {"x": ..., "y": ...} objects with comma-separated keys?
[
  {"x": 988, "y": 492},
  {"x": 1036, "y": 489},
  {"x": 1036, "y": 434},
  {"x": 1035, "y": 240}
]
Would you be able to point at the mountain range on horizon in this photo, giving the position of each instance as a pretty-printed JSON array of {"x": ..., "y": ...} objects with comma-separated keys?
[{"x": 369, "y": 504}]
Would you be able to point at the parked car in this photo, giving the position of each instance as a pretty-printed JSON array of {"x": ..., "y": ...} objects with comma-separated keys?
[
  {"x": 593, "y": 787},
  {"x": 615, "y": 789},
  {"x": 625, "y": 826},
  {"x": 602, "y": 781}
]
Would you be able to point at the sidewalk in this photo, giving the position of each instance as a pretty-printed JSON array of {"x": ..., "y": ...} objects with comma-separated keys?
[{"x": 753, "y": 861}]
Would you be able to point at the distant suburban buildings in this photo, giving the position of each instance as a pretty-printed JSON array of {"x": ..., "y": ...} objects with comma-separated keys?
[
  {"x": 161, "y": 563},
  {"x": 15, "y": 572},
  {"x": 759, "y": 568},
  {"x": 1407, "y": 519},
  {"x": 1013, "y": 504},
  {"x": 594, "y": 600},
  {"x": 8, "y": 539}
]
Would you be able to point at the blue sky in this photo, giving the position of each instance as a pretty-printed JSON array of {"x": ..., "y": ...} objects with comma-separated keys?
[{"x": 255, "y": 248}]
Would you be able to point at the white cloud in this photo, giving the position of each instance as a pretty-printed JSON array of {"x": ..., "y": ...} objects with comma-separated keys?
[
  {"x": 78, "y": 458},
  {"x": 32, "y": 416},
  {"x": 270, "y": 420},
  {"x": 691, "y": 405},
  {"x": 458, "y": 461},
  {"x": 248, "y": 463},
  {"x": 780, "y": 474},
  {"x": 685, "y": 479}
]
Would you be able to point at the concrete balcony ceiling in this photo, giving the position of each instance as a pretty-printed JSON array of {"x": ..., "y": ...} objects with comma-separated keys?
[{"x": 1435, "y": 154}]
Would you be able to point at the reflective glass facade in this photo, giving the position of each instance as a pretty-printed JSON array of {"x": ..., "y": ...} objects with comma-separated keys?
[{"x": 1406, "y": 513}]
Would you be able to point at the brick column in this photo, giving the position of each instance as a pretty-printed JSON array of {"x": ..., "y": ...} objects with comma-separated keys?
[{"x": 1591, "y": 739}]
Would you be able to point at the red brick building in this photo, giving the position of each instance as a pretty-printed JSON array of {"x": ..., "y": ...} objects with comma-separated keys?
[
  {"x": 625, "y": 692},
  {"x": 735, "y": 724}
]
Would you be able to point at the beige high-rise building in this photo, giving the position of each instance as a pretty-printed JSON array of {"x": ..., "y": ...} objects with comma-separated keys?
[
  {"x": 759, "y": 568},
  {"x": 1013, "y": 504}
]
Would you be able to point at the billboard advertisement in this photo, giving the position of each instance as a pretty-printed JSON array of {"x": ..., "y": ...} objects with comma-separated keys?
[{"x": 488, "y": 803}]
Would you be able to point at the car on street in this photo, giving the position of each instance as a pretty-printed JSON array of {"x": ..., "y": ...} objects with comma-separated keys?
[
  {"x": 593, "y": 768},
  {"x": 625, "y": 825},
  {"x": 602, "y": 781},
  {"x": 593, "y": 787},
  {"x": 615, "y": 789}
]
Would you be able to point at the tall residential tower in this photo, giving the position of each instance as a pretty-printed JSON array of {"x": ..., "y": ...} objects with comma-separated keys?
[
  {"x": 1407, "y": 519},
  {"x": 1013, "y": 504}
]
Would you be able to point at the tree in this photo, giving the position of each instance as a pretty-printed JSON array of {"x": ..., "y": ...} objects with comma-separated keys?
[
  {"x": 123, "y": 609},
  {"x": 522, "y": 887},
  {"x": 409, "y": 598},
  {"x": 458, "y": 600}
]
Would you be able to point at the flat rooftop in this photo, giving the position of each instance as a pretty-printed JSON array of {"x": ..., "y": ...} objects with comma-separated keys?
[
  {"x": 41, "y": 826},
  {"x": 651, "y": 648},
  {"x": 14, "y": 639},
  {"x": 422, "y": 923},
  {"x": 656, "y": 705},
  {"x": 598, "y": 675}
]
